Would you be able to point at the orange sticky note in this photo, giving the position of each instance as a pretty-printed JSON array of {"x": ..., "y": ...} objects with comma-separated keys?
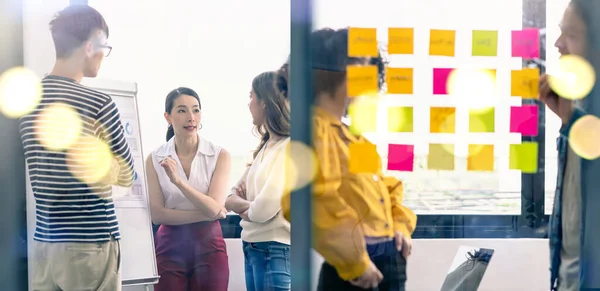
[
  {"x": 481, "y": 157},
  {"x": 399, "y": 80},
  {"x": 525, "y": 83},
  {"x": 400, "y": 41},
  {"x": 524, "y": 157},
  {"x": 400, "y": 119},
  {"x": 441, "y": 157},
  {"x": 482, "y": 120},
  {"x": 362, "y": 80},
  {"x": 362, "y": 42},
  {"x": 441, "y": 42},
  {"x": 442, "y": 119},
  {"x": 363, "y": 158}
]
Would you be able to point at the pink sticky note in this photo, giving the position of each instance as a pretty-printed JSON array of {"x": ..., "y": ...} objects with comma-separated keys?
[
  {"x": 526, "y": 43},
  {"x": 401, "y": 157},
  {"x": 440, "y": 80},
  {"x": 524, "y": 120}
]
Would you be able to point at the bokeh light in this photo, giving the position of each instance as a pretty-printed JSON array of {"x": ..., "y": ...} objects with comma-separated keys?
[
  {"x": 475, "y": 87},
  {"x": 584, "y": 137},
  {"x": 58, "y": 126},
  {"x": 301, "y": 165},
  {"x": 573, "y": 78},
  {"x": 20, "y": 92},
  {"x": 363, "y": 114},
  {"x": 91, "y": 161}
]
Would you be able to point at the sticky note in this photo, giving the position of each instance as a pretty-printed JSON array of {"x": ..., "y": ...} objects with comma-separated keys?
[
  {"x": 440, "y": 80},
  {"x": 441, "y": 42},
  {"x": 524, "y": 120},
  {"x": 481, "y": 157},
  {"x": 485, "y": 43},
  {"x": 362, "y": 80},
  {"x": 400, "y": 41},
  {"x": 441, "y": 157},
  {"x": 362, "y": 42},
  {"x": 400, "y": 119},
  {"x": 399, "y": 80},
  {"x": 401, "y": 157},
  {"x": 526, "y": 43},
  {"x": 363, "y": 158},
  {"x": 442, "y": 119},
  {"x": 363, "y": 115},
  {"x": 524, "y": 157},
  {"x": 525, "y": 83},
  {"x": 482, "y": 120}
]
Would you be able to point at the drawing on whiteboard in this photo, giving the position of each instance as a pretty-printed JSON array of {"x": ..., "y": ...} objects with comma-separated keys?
[{"x": 128, "y": 128}]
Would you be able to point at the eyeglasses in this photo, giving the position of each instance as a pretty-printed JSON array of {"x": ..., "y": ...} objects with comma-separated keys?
[{"x": 107, "y": 49}]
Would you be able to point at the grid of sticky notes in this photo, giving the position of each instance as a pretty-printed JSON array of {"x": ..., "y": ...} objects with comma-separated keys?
[{"x": 363, "y": 81}]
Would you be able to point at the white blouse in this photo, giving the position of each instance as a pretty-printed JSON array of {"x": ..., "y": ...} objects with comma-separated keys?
[{"x": 201, "y": 172}]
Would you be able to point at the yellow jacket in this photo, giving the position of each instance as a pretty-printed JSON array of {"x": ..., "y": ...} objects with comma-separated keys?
[{"x": 348, "y": 207}]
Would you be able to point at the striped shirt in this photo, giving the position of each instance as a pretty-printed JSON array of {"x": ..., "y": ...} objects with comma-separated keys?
[{"x": 70, "y": 207}]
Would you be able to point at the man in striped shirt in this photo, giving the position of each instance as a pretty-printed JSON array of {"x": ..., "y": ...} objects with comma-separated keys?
[{"x": 75, "y": 151}]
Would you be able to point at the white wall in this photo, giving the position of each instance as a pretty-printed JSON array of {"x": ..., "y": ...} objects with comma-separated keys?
[{"x": 217, "y": 49}]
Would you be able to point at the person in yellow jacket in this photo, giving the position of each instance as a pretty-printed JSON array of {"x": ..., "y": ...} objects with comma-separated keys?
[{"x": 360, "y": 226}]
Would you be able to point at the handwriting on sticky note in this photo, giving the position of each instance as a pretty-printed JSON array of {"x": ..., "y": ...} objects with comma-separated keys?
[
  {"x": 525, "y": 83},
  {"x": 363, "y": 158},
  {"x": 526, "y": 43},
  {"x": 524, "y": 120},
  {"x": 485, "y": 43},
  {"x": 441, "y": 42},
  {"x": 399, "y": 80},
  {"x": 442, "y": 119},
  {"x": 362, "y": 42},
  {"x": 524, "y": 157},
  {"x": 481, "y": 157},
  {"x": 362, "y": 80},
  {"x": 400, "y": 40},
  {"x": 401, "y": 157},
  {"x": 441, "y": 157}
]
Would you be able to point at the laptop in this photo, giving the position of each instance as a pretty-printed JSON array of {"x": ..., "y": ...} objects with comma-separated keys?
[{"x": 467, "y": 269}]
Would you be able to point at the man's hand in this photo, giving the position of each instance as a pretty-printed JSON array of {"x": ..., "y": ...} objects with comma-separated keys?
[
  {"x": 560, "y": 106},
  {"x": 403, "y": 244},
  {"x": 369, "y": 279}
]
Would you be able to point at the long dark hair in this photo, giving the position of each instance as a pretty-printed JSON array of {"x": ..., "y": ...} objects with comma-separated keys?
[
  {"x": 277, "y": 108},
  {"x": 170, "y": 100}
]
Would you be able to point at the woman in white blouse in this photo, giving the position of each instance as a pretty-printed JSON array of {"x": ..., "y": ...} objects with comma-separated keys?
[
  {"x": 257, "y": 196},
  {"x": 187, "y": 183}
]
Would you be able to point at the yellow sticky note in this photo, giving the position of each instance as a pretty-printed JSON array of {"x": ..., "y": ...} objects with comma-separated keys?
[
  {"x": 362, "y": 42},
  {"x": 363, "y": 158},
  {"x": 400, "y": 119},
  {"x": 482, "y": 120},
  {"x": 442, "y": 119},
  {"x": 362, "y": 80},
  {"x": 399, "y": 80},
  {"x": 400, "y": 41},
  {"x": 481, "y": 157},
  {"x": 525, "y": 83},
  {"x": 441, "y": 157},
  {"x": 524, "y": 157},
  {"x": 485, "y": 43},
  {"x": 441, "y": 42},
  {"x": 363, "y": 115}
]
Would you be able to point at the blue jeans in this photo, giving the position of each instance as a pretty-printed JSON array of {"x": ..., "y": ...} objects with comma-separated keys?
[{"x": 267, "y": 266}]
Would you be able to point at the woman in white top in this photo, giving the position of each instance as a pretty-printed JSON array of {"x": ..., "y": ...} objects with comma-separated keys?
[
  {"x": 257, "y": 196},
  {"x": 187, "y": 183}
]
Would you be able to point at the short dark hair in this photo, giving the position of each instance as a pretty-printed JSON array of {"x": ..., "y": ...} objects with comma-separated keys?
[
  {"x": 73, "y": 26},
  {"x": 329, "y": 53}
]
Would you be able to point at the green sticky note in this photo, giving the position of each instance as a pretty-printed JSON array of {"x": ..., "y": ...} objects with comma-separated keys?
[
  {"x": 481, "y": 120},
  {"x": 524, "y": 157},
  {"x": 400, "y": 119},
  {"x": 485, "y": 43}
]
